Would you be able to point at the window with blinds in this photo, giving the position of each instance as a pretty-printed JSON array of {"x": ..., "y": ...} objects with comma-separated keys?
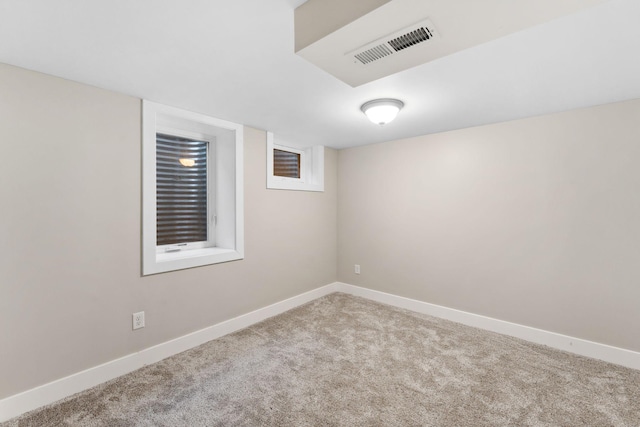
[
  {"x": 192, "y": 189},
  {"x": 181, "y": 190},
  {"x": 286, "y": 164}
]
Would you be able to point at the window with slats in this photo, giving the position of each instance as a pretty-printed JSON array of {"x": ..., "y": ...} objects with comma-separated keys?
[
  {"x": 192, "y": 192},
  {"x": 181, "y": 190},
  {"x": 291, "y": 168},
  {"x": 286, "y": 164}
]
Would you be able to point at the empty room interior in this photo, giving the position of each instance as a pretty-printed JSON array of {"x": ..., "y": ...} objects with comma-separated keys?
[{"x": 320, "y": 213}]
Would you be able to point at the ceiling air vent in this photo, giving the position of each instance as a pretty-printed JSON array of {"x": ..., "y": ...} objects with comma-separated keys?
[
  {"x": 400, "y": 40},
  {"x": 373, "y": 54},
  {"x": 420, "y": 35}
]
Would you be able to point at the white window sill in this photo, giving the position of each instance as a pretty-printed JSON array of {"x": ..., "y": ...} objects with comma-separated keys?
[
  {"x": 277, "y": 183},
  {"x": 189, "y": 258},
  {"x": 192, "y": 253}
]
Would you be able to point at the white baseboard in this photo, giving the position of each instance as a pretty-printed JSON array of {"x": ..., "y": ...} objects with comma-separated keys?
[
  {"x": 607, "y": 353},
  {"x": 18, "y": 404}
]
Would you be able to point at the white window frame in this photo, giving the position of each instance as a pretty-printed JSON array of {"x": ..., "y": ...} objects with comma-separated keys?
[
  {"x": 311, "y": 168},
  {"x": 226, "y": 191}
]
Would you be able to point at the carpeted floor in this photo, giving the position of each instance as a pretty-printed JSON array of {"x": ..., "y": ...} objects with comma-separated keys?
[{"x": 347, "y": 361}]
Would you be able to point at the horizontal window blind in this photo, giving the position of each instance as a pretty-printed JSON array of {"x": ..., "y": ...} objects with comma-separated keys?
[
  {"x": 286, "y": 164},
  {"x": 181, "y": 190}
]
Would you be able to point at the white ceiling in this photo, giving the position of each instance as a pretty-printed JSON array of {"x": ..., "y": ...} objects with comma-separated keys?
[{"x": 235, "y": 60}]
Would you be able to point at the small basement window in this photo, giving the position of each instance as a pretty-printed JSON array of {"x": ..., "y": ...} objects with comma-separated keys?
[
  {"x": 286, "y": 164},
  {"x": 294, "y": 169},
  {"x": 192, "y": 190}
]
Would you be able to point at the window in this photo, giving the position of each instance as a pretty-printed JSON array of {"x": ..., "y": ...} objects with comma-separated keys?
[
  {"x": 192, "y": 190},
  {"x": 286, "y": 163},
  {"x": 182, "y": 200},
  {"x": 294, "y": 169}
]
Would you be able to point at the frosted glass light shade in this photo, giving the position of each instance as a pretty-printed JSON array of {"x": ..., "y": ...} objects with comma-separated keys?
[{"x": 382, "y": 111}]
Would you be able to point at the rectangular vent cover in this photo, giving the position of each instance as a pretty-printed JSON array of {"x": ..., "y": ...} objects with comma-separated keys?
[
  {"x": 420, "y": 35},
  {"x": 400, "y": 40}
]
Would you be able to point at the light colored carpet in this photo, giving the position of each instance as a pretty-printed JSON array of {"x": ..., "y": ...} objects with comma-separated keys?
[{"x": 347, "y": 361}]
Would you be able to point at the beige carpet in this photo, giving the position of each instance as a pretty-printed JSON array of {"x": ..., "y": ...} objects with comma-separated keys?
[{"x": 347, "y": 361}]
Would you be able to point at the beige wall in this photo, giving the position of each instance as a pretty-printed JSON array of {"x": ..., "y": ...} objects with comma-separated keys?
[
  {"x": 70, "y": 236},
  {"x": 535, "y": 221}
]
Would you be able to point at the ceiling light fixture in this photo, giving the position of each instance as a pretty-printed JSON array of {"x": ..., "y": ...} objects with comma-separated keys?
[{"x": 382, "y": 111}]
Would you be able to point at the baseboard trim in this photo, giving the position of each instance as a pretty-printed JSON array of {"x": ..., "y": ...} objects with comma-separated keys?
[
  {"x": 607, "y": 353},
  {"x": 26, "y": 401}
]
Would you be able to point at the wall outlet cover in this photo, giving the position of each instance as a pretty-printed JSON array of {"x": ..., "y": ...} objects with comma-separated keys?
[{"x": 138, "y": 320}]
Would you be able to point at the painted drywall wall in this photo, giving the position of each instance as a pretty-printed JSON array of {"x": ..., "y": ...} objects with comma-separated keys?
[
  {"x": 70, "y": 197},
  {"x": 534, "y": 221}
]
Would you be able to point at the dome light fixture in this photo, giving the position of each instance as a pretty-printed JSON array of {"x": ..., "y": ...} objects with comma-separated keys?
[{"x": 382, "y": 111}]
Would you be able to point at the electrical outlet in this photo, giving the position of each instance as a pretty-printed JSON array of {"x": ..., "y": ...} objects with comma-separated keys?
[
  {"x": 138, "y": 320},
  {"x": 357, "y": 269}
]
